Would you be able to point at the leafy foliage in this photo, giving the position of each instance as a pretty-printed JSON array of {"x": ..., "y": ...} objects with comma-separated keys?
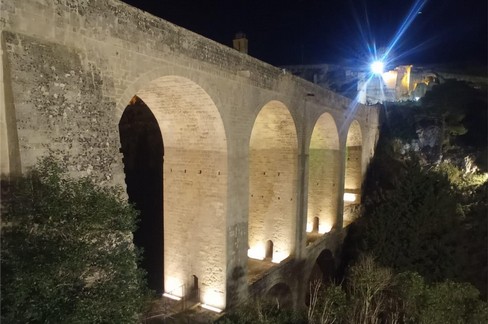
[
  {"x": 263, "y": 312},
  {"x": 328, "y": 303},
  {"x": 451, "y": 302},
  {"x": 415, "y": 225},
  {"x": 366, "y": 285},
  {"x": 431, "y": 220},
  {"x": 67, "y": 252}
]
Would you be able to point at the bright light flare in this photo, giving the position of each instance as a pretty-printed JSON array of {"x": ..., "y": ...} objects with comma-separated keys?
[
  {"x": 377, "y": 67},
  {"x": 309, "y": 227},
  {"x": 171, "y": 296},
  {"x": 213, "y": 300},
  {"x": 349, "y": 197},
  {"x": 256, "y": 253},
  {"x": 212, "y": 308},
  {"x": 173, "y": 286},
  {"x": 325, "y": 228},
  {"x": 279, "y": 256}
]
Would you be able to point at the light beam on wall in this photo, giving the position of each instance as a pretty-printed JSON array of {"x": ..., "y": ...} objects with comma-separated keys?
[
  {"x": 171, "y": 296},
  {"x": 309, "y": 227},
  {"x": 279, "y": 256},
  {"x": 173, "y": 286},
  {"x": 211, "y": 308},
  {"x": 350, "y": 197},
  {"x": 256, "y": 252},
  {"x": 213, "y": 300},
  {"x": 325, "y": 228}
]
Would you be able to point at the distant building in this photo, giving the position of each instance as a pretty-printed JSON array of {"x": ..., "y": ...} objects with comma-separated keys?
[
  {"x": 405, "y": 82},
  {"x": 400, "y": 84}
]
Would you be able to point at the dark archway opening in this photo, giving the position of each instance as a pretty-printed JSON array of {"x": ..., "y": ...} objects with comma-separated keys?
[
  {"x": 281, "y": 295},
  {"x": 315, "y": 227},
  {"x": 326, "y": 263},
  {"x": 323, "y": 273},
  {"x": 269, "y": 250},
  {"x": 142, "y": 147}
]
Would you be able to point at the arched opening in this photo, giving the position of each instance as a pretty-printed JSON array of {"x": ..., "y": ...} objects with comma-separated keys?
[
  {"x": 353, "y": 172},
  {"x": 142, "y": 147},
  {"x": 269, "y": 250},
  {"x": 194, "y": 182},
  {"x": 323, "y": 273},
  {"x": 280, "y": 294},
  {"x": 324, "y": 176},
  {"x": 316, "y": 223},
  {"x": 194, "y": 290},
  {"x": 272, "y": 182}
]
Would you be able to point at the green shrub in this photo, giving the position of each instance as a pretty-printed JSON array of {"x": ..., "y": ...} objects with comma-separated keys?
[{"x": 67, "y": 252}]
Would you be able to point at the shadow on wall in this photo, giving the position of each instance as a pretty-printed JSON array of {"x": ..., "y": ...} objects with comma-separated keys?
[{"x": 142, "y": 146}]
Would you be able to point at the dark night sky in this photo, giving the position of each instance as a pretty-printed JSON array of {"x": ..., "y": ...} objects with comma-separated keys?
[{"x": 336, "y": 31}]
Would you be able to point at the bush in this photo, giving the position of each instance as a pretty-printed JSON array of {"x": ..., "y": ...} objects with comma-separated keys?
[
  {"x": 328, "y": 303},
  {"x": 450, "y": 302},
  {"x": 262, "y": 312},
  {"x": 415, "y": 226},
  {"x": 67, "y": 252}
]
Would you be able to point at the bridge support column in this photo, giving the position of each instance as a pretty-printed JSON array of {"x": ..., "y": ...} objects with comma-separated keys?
[
  {"x": 9, "y": 143},
  {"x": 300, "y": 236},
  {"x": 302, "y": 189},
  {"x": 340, "y": 203}
]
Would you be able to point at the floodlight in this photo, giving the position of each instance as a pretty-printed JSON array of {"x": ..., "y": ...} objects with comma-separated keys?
[{"x": 377, "y": 67}]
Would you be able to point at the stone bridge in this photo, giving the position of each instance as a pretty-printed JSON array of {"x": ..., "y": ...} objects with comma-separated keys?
[{"x": 244, "y": 173}]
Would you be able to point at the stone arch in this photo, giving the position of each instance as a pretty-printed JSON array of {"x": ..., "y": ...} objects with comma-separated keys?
[
  {"x": 269, "y": 250},
  {"x": 353, "y": 171},
  {"x": 324, "y": 174},
  {"x": 142, "y": 147},
  {"x": 194, "y": 186},
  {"x": 273, "y": 159},
  {"x": 281, "y": 295},
  {"x": 323, "y": 272}
]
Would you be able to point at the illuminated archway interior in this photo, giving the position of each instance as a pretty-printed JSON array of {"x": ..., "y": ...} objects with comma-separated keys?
[
  {"x": 323, "y": 177},
  {"x": 353, "y": 172},
  {"x": 272, "y": 182},
  {"x": 194, "y": 185}
]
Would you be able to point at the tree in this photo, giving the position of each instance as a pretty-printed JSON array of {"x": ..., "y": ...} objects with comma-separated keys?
[
  {"x": 415, "y": 225},
  {"x": 67, "y": 252},
  {"x": 460, "y": 110}
]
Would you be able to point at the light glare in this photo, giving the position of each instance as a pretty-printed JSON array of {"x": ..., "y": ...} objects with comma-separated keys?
[
  {"x": 325, "y": 228},
  {"x": 309, "y": 228},
  {"x": 279, "y": 256},
  {"x": 349, "y": 197},
  {"x": 172, "y": 297},
  {"x": 212, "y": 308},
  {"x": 377, "y": 67},
  {"x": 256, "y": 253}
]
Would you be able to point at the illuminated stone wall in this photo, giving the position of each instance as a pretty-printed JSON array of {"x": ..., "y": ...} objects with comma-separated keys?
[
  {"x": 324, "y": 174},
  {"x": 354, "y": 170},
  {"x": 272, "y": 182},
  {"x": 195, "y": 187}
]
